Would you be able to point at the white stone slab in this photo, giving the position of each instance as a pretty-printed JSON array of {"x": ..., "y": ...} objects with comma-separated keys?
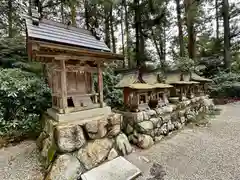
[
  {"x": 116, "y": 169},
  {"x": 79, "y": 115}
]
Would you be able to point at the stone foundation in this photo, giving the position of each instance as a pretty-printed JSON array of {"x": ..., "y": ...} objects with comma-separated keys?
[
  {"x": 144, "y": 128},
  {"x": 72, "y": 148}
]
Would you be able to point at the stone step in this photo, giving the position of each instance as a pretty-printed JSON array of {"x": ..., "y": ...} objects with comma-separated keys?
[{"x": 116, "y": 169}]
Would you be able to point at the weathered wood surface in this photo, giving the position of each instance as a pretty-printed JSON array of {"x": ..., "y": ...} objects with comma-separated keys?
[
  {"x": 63, "y": 86},
  {"x": 100, "y": 85}
]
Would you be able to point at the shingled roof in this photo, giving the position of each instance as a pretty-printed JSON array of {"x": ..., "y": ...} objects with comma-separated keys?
[
  {"x": 150, "y": 78},
  {"x": 195, "y": 77},
  {"x": 148, "y": 81},
  {"x": 51, "y": 31},
  {"x": 173, "y": 77},
  {"x": 128, "y": 79}
]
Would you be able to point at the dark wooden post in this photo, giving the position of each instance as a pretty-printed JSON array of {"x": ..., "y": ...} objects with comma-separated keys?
[
  {"x": 63, "y": 86},
  {"x": 100, "y": 85}
]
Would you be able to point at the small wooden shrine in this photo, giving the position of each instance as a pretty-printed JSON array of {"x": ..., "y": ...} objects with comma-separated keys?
[
  {"x": 183, "y": 85},
  {"x": 202, "y": 87},
  {"x": 160, "y": 91},
  {"x": 72, "y": 56},
  {"x": 142, "y": 90}
]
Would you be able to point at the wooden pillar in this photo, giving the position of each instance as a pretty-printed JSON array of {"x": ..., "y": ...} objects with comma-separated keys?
[
  {"x": 100, "y": 85},
  {"x": 63, "y": 86}
]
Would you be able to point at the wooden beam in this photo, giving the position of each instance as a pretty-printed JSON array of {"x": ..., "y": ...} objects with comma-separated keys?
[
  {"x": 64, "y": 86},
  {"x": 35, "y": 46},
  {"x": 59, "y": 56},
  {"x": 81, "y": 51},
  {"x": 100, "y": 85},
  {"x": 77, "y": 69}
]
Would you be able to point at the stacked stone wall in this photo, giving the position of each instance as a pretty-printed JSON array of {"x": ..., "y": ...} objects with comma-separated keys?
[
  {"x": 146, "y": 127},
  {"x": 74, "y": 148}
]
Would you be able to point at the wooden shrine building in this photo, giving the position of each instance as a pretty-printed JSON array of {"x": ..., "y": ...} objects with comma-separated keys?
[
  {"x": 72, "y": 56},
  {"x": 183, "y": 86},
  {"x": 202, "y": 87},
  {"x": 141, "y": 89}
]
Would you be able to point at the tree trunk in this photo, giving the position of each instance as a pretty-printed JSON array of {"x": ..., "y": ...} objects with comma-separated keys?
[
  {"x": 180, "y": 31},
  {"x": 137, "y": 31},
  {"x": 127, "y": 34},
  {"x": 112, "y": 30},
  {"x": 73, "y": 12},
  {"x": 157, "y": 48},
  {"x": 107, "y": 28},
  {"x": 86, "y": 14},
  {"x": 164, "y": 38},
  {"x": 227, "y": 56},
  {"x": 122, "y": 34},
  {"x": 191, "y": 41},
  {"x": 217, "y": 19},
  {"x": 190, "y": 9},
  {"x": 30, "y": 7},
  {"x": 141, "y": 44},
  {"x": 10, "y": 19},
  {"x": 162, "y": 50},
  {"x": 62, "y": 11}
]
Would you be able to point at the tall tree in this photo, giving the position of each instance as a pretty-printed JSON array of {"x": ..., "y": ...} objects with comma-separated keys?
[
  {"x": 107, "y": 25},
  {"x": 122, "y": 34},
  {"x": 127, "y": 33},
  {"x": 137, "y": 20},
  {"x": 10, "y": 19},
  {"x": 190, "y": 13},
  {"x": 62, "y": 11},
  {"x": 180, "y": 30},
  {"x": 227, "y": 56},
  {"x": 112, "y": 28},
  {"x": 73, "y": 4},
  {"x": 217, "y": 18},
  {"x": 87, "y": 18}
]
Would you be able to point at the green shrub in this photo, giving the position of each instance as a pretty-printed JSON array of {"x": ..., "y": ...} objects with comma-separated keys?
[
  {"x": 112, "y": 96},
  {"x": 226, "y": 85},
  {"x": 23, "y": 97}
]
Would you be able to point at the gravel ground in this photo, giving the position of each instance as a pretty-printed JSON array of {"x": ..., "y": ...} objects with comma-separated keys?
[
  {"x": 198, "y": 153},
  {"x": 20, "y": 162}
]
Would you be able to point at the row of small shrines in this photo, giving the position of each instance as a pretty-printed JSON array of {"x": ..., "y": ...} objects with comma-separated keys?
[
  {"x": 71, "y": 66},
  {"x": 149, "y": 90}
]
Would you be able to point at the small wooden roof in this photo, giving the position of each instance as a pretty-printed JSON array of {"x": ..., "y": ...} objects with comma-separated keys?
[
  {"x": 162, "y": 86},
  {"x": 195, "y": 77},
  {"x": 140, "y": 86},
  {"x": 178, "y": 77},
  {"x": 128, "y": 79},
  {"x": 183, "y": 82},
  {"x": 132, "y": 79},
  {"x": 150, "y": 78},
  {"x": 48, "y": 39}
]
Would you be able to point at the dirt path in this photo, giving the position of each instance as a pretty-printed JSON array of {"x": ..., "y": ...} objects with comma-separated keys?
[
  {"x": 206, "y": 153},
  {"x": 20, "y": 162}
]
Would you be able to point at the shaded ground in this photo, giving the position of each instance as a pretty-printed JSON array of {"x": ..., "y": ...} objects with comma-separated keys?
[
  {"x": 20, "y": 162},
  {"x": 199, "y": 153}
]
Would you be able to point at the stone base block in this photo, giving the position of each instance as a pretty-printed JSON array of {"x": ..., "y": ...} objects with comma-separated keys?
[
  {"x": 117, "y": 169},
  {"x": 80, "y": 115},
  {"x": 94, "y": 138}
]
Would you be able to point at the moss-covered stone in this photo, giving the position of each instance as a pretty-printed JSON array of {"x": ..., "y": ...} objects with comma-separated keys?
[{"x": 51, "y": 154}]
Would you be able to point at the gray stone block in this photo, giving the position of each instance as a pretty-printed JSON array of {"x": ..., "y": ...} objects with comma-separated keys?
[{"x": 117, "y": 169}]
